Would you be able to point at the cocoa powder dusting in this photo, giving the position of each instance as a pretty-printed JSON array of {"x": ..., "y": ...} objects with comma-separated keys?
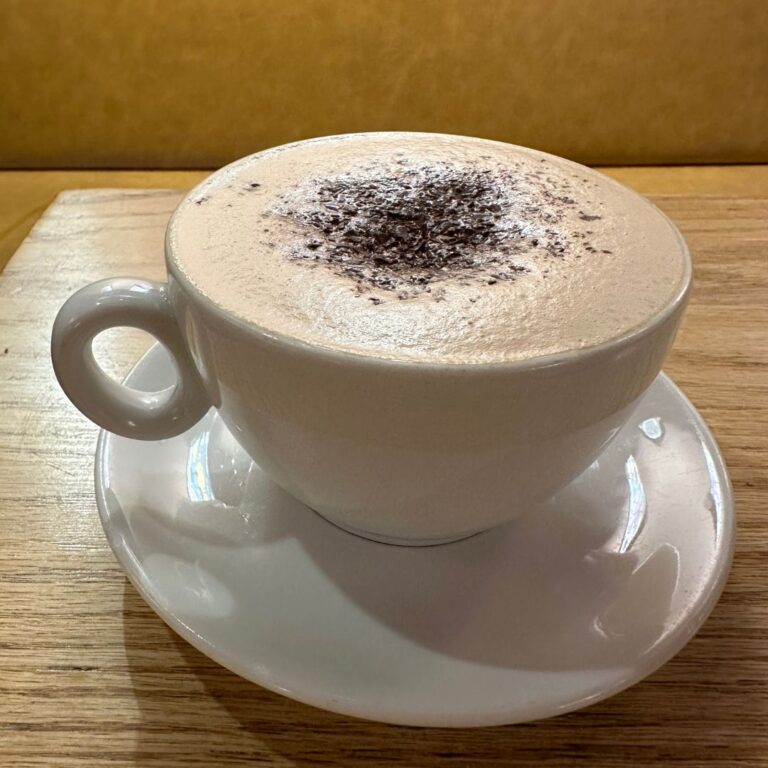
[{"x": 404, "y": 231}]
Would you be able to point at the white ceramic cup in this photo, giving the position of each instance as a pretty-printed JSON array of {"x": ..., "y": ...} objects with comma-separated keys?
[{"x": 403, "y": 452}]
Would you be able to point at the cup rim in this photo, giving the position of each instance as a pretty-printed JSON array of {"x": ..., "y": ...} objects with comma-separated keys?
[{"x": 555, "y": 359}]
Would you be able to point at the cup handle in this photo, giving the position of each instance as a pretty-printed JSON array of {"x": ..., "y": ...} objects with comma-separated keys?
[{"x": 139, "y": 304}]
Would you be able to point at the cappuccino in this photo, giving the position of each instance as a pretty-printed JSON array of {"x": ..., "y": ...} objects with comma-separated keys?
[{"x": 430, "y": 248}]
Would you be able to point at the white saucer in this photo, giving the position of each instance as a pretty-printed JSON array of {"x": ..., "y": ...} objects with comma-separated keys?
[{"x": 572, "y": 603}]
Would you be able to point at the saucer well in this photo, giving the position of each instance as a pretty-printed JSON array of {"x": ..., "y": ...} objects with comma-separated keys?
[{"x": 567, "y": 605}]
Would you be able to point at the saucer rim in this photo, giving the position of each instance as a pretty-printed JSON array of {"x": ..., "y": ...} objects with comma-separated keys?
[{"x": 668, "y": 648}]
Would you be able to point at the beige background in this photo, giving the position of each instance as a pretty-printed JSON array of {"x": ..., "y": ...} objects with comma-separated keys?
[{"x": 196, "y": 83}]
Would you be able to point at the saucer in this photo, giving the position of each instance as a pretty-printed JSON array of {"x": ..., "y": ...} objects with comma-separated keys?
[{"x": 571, "y": 603}]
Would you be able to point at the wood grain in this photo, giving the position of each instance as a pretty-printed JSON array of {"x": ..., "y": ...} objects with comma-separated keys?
[{"x": 89, "y": 676}]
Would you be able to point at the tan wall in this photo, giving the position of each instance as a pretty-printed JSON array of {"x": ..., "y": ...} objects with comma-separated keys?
[{"x": 196, "y": 83}]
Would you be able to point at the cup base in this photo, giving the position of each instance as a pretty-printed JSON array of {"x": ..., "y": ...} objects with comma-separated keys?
[{"x": 396, "y": 541}]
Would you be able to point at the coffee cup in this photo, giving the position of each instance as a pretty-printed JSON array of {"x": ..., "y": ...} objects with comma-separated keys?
[{"x": 405, "y": 451}]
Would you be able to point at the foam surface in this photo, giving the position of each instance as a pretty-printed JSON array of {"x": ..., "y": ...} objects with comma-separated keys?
[{"x": 592, "y": 260}]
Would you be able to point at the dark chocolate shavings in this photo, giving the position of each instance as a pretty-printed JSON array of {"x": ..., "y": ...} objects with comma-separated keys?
[{"x": 403, "y": 231}]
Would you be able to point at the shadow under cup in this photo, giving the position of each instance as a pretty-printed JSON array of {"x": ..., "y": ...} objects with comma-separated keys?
[{"x": 416, "y": 453}]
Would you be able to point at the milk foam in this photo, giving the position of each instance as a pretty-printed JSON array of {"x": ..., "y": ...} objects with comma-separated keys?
[{"x": 594, "y": 260}]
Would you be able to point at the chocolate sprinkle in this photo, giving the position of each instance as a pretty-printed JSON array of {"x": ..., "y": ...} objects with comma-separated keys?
[{"x": 405, "y": 231}]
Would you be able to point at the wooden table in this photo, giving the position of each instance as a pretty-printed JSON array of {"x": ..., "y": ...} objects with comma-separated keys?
[{"x": 89, "y": 675}]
